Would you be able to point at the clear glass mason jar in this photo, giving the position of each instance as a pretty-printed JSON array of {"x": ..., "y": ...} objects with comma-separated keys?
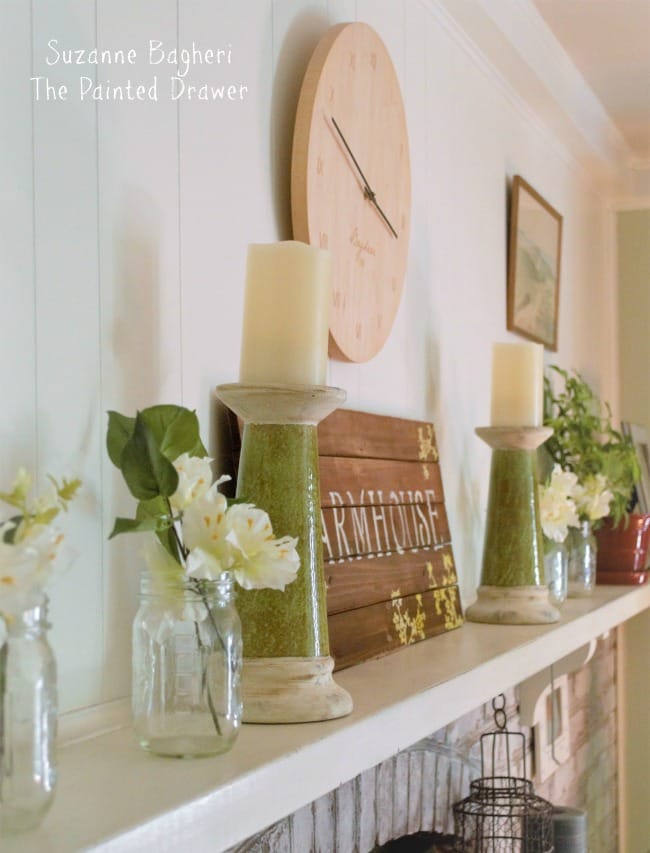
[
  {"x": 28, "y": 722},
  {"x": 582, "y": 560},
  {"x": 187, "y": 657},
  {"x": 556, "y": 567}
]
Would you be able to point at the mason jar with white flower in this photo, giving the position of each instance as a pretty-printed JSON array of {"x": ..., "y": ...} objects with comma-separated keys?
[
  {"x": 593, "y": 499},
  {"x": 187, "y": 651},
  {"x": 558, "y": 513},
  {"x": 29, "y": 546}
]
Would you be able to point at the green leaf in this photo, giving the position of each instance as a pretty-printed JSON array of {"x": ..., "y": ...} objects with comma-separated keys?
[
  {"x": 120, "y": 429},
  {"x": 132, "y": 525},
  {"x": 147, "y": 472},
  {"x": 159, "y": 510},
  {"x": 176, "y": 430},
  {"x": 9, "y": 535}
]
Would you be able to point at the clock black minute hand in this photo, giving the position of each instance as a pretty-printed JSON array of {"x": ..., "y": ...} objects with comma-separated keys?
[{"x": 367, "y": 190}]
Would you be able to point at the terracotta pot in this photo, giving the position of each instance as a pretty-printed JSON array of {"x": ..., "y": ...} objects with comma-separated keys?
[
  {"x": 627, "y": 578},
  {"x": 623, "y": 549}
]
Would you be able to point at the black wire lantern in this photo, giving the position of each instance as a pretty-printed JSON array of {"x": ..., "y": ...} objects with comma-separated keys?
[{"x": 502, "y": 814}]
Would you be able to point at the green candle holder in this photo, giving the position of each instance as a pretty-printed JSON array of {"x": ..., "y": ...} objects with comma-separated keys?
[
  {"x": 287, "y": 672},
  {"x": 513, "y": 590}
]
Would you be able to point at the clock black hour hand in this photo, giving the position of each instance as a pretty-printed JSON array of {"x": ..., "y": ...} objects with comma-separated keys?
[
  {"x": 369, "y": 194},
  {"x": 367, "y": 189}
]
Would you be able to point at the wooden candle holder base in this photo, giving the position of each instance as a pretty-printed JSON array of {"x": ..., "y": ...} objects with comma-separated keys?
[
  {"x": 292, "y": 690},
  {"x": 513, "y": 605}
]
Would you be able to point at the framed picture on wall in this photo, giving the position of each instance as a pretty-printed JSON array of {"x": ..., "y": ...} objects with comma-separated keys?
[
  {"x": 533, "y": 265},
  {"x": 639, "y": 436}
]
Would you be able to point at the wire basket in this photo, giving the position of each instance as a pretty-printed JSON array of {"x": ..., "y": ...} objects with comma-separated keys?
[{"x": 502, "y": 814}]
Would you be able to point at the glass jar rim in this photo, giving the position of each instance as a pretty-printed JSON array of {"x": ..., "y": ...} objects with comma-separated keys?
[
  {"x": 223, "y": 585},
  {"x": 32, "y": 618}
]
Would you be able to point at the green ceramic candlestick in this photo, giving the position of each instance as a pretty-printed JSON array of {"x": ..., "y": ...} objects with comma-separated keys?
[
  {"x": 287, "y": 666},
  {"x": 513, "y": 590}
]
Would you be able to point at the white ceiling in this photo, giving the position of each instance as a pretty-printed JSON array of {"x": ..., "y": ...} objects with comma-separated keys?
[{"x": 609, "y": 42}]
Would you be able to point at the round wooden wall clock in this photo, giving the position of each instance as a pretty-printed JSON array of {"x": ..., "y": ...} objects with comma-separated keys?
[{"x": 351, "y": 183}]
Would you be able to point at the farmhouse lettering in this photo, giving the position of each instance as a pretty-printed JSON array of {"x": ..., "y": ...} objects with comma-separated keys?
[{"x": 375, "y": 523}]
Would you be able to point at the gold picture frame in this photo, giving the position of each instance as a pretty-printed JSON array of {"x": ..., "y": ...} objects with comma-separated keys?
[{"x": 534, "y": 254}]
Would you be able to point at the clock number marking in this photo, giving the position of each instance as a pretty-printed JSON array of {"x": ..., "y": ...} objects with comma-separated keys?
[
  {"x": 358, "y": 330},
  {"x": 323, "y": 240},
  {"x": 353, "y": 62},
  {"x": 373, "y": 61},
  {"x": 320, "y": 166}
]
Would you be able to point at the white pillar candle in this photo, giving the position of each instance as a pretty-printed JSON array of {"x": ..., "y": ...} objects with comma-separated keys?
[
  {"x": 517, "y": 384},
  {"x": 286, "y": 314}
]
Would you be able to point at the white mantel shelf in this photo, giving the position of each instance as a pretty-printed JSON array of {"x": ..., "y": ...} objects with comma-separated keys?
[{"x": 112, "y": 796}]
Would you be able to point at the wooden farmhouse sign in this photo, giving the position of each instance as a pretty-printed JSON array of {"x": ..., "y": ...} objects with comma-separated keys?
[
  {"x": 387, "y": 555},
  {"x": 389, "y": 566}
]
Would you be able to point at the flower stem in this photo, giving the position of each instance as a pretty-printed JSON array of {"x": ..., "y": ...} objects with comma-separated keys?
[
  {"x": 205, "y": 651},
  {"x": 182, "y": 550},
  {"x": 197, "y": 587}
]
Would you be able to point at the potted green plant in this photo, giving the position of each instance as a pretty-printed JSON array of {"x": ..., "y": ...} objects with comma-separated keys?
[{"x": 604, "y": 460}]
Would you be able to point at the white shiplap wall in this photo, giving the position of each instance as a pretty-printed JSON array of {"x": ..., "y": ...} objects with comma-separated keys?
[{"x": 123, "y": 237}]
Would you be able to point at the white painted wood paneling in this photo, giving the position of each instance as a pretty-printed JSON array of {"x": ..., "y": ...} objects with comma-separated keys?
[
  {"x": 302, "y": 828},
  {"x": 67, "y": 327},
  {"x": 346, "y": 798},
  {"x": 341, "y": 11},
  {"x": 17, "y": 332},
  {"x": 225, "y": 189},
  {"x": 138, "y": 216},
  {"x": 324, "y": 824}
]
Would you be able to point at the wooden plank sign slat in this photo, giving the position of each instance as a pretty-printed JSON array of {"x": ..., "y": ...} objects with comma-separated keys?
[
  {"x": 362, "y": 435},
  {"x": 357, "y": 635},
  {"x": 373, "y": 579},
  {"x": 391, "y": 480},
  {"x": 388, "y": 560}
]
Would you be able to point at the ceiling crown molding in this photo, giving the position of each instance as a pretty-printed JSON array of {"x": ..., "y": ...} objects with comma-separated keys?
[{"x": 521, "y": 49}]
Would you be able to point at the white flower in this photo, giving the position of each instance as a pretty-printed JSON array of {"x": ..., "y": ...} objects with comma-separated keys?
[
  {"x": 164, "y": 570},
  {"x": 593, "y": 497},
  {"x": 557, "y": 508},
  {"x": 25, "y": 567},
  {"x": 205, "y": 532},
  {"x": 169, "y": 603},
  {"x": 194, "y": 479},
  {"x": 46, "y": 502},
  {"x": 239, "y": 538},
  {"x": 261, "y": 561},
  {"x": 202, "y": 565}
]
